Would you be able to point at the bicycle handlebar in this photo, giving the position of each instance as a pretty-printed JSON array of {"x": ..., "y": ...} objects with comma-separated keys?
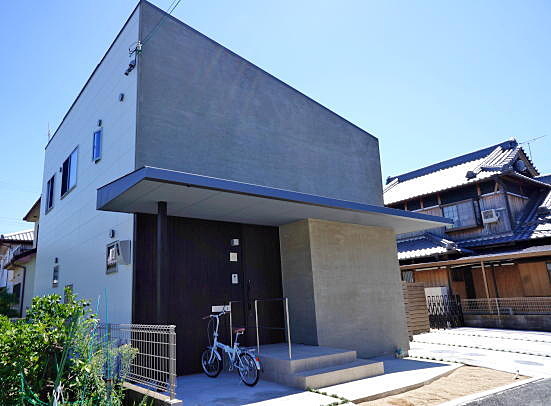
[{"x": 214, "y": 315}]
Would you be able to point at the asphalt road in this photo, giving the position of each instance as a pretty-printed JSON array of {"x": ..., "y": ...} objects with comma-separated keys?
[{"x": 532, "y": 394}]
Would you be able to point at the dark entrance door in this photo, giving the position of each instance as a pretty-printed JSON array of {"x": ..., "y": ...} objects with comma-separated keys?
[{"x": 206, "y": 269}]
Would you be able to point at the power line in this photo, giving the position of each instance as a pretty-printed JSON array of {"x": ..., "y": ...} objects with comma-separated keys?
[{"x": 138, "y": 45}]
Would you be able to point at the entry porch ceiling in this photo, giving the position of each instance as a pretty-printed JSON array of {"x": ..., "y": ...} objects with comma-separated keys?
[{"x": 203, "y": 197}]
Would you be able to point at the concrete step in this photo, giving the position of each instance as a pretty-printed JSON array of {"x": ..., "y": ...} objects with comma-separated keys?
[
  {"x": 304, "y": 357},
  {"x": 314, "y": 366},
  {"x": 337, "y": 374}
]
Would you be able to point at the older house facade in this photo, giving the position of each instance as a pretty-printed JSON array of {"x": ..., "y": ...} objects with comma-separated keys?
[
  {"x": 183, "y": 176},
  {"x": 499, "y": 243}
]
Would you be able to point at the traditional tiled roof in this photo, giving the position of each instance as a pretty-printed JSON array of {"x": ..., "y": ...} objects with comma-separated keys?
[
  {"x": 425, "y": 245},
  {"x": 19, "y": 236},
  {"x": 544, "y": 178},
  {"x": 459, "y": 171},
  {"x": 534, "y": 224}
]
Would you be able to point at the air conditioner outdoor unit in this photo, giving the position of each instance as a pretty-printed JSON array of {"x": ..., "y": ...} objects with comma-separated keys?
[{"x": 489, "y": 216}]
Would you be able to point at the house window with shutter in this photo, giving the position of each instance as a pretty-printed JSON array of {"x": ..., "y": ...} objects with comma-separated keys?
[{"x": 463, "y": 214}]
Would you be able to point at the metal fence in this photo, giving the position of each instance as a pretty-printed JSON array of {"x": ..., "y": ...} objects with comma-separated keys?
[
  {"x": 445, "y": 311},
  {"x": 508, "y": 306},
  {"x": 154, "y": 365}
]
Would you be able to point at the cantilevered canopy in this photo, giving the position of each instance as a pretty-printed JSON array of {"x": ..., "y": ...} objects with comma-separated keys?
[{"x": 197, "y": 196}]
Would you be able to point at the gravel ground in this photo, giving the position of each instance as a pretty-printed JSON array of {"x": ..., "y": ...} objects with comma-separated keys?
[
  {"x": 461, "y": 382},
  {"x": 532, "y": 394}
]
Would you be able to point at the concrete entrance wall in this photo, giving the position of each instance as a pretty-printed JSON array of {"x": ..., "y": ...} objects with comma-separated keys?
[{"x": 343, "y": 285}]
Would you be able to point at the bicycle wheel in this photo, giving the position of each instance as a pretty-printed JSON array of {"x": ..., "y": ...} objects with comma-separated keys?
[
  {"x": 212, "y": 367},
  {"x": 248, "y": 371}
]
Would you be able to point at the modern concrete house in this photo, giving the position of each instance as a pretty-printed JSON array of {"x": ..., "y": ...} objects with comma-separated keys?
[{"x": 184, "y": 176}]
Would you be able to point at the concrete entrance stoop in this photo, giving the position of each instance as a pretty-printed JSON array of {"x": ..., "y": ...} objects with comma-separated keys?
[{"x": 314, "y": 366}]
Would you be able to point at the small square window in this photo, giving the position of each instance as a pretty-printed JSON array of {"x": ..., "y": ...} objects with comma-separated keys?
[
  {"x": 50, "y": 194},
  {"x": 69, "y": 173},
  {"x": 55, "y": 277},
  {"x": 96, "y": 145},
  {"x": 112, "y": 257}
]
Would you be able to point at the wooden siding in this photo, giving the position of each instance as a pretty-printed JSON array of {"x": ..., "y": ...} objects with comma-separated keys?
[
  {"x": 199, "y": 276},
  {"x": 535, "y": 279},
  {"x": 517, "y": 205},
  {"x": 434, "y": 277},
  {"x": 508, "y": 280},
  {"x": 417, "y": 315}
]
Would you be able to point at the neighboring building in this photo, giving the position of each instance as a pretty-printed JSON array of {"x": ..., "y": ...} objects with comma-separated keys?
[
  {"x": 17, "y": 267},
  {"x": 190, "y": 178},
  {"x": 500, "y": 242}
]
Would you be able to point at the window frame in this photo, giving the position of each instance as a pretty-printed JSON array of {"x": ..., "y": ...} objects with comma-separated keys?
[
  {"x": 69, "y": 171},
  {"x": 476, "y": 214},
  {"x": 50, "y": 194},
  {"x": 111, "y": 268},
  {"x": 97, "y": 157}
]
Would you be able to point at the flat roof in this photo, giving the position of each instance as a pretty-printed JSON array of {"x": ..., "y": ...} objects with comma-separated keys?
[{"x": 204, "y": 197}]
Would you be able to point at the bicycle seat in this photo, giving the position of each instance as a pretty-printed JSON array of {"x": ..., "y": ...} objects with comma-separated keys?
[{"x": 239, "y": 330}]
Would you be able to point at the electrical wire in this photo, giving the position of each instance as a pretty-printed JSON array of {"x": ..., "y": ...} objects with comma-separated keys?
[{"x": 137, "y": 45}]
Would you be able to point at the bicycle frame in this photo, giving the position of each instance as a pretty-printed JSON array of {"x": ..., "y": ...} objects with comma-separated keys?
[{"x": 233, "y": 352}]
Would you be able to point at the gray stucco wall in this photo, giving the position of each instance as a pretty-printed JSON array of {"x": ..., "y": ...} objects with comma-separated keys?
[
  {"x": 355, "y": 281},
  {"x": 203, "y": 109}
]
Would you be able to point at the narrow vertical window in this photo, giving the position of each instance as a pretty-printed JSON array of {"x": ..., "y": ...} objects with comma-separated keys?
[
  {"x": 111, "y": 258},
  {"x": 69, "y": 173},
  {"x": 55, "y": 276},
  {"x": 96, "y": 145},
  {"x": 50, "y": 193}
]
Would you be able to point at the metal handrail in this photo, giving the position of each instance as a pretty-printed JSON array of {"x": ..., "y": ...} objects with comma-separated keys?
[{"x": 286, "y": 328}]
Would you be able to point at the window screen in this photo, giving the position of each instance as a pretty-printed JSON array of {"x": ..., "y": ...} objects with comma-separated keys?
[{"x": 69, "y": 173}]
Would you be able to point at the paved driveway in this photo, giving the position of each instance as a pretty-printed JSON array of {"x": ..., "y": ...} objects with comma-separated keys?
[
  {"x": 524, "y": 352},
  {"x": 534, "y": 394}
]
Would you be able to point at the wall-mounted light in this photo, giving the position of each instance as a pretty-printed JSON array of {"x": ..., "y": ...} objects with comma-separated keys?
[
  {"x": 121, "y": 97},
  {"x": 100, "y": 123},
  {"x": 111, "y": 233}
]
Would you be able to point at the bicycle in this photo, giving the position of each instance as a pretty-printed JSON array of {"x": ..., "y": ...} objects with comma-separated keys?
[{"x": 242, "y": 359}]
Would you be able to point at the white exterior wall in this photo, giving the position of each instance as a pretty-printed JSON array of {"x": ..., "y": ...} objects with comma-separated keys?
[{"x": 73, "y": 230}]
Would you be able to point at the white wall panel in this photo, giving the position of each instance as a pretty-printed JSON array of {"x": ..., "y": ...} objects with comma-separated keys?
[{"x": 74, "y": 231}]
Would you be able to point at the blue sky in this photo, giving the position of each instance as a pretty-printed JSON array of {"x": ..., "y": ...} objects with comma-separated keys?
[{"x": 430, "y": 79}]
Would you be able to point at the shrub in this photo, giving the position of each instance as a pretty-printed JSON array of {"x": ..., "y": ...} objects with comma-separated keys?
[{"x": 55, "y": 348}]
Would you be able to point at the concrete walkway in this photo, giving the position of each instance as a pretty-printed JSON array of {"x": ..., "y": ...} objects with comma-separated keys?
[
  {"x": 228, "y": 390},
  {"x": 524, "y": 352}
]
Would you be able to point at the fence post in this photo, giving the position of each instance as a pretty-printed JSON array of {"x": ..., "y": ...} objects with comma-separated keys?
[{"x": 172, "y": 360}]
